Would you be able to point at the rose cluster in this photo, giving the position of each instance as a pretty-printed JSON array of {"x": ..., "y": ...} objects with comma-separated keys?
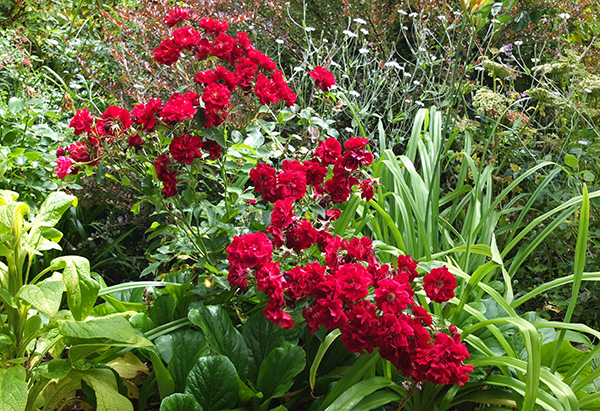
[
  {"x": 235, "y": 66},
  {"x": 240, "y": 65},
  {"x": 373, "y": 304},
  {"x": 346, "y": 288},
  {"x": 296, "y": 177}
]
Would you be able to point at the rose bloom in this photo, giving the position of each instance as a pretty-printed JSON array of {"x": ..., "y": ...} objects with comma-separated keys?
[
  {"x": 186, "y": 148},
  {"x": 63, "y": 166},
  {"x": 82, "y": 122},
  {"x": 323, "y": 78},
  {"x": 176, "y": 15},
  {"x": 439, "y": 284}
]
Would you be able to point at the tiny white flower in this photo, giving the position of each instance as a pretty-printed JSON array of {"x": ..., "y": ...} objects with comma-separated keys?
[
  {"x": 587, "y": 90},
  {"x": 433, "y": 57},
  {"x": 393, "y": 64},
  {"x": 354, "y": 93},
  {"x": 402, "y": 12},
  {"x": 407, "y": 74},
  {"x": 350, "y": 33},
  {"x": 363, "y": 51},
  {"x": 413, "y": 15},
  {"x": 442, "y": 18},
  {"x": 251, "y": 27},
  {"x": 333, "y": 63},
  {"x": 416, "y": 82},
  {"x": 297, "y": 68},
  {"x": 479, "y": 68},
  {"x": 308, "y": 28},
  {"x": 359, "y": 21},
  {"x": 420, "y": 103},
  {"x": 325, "y": 41},
  {"x": 279, "y": 41},
  {"x": 564, "y": 16},
  {"x": 345, "y": 76},
  {"x": 423, "y": 49},
  {"x": 456, "y": 13},
  {"x": 407, "y": 101},
  {"x": 364, "y": 31},
  {"x": 404, "y": 28},
  {"x": 534, "y": 60},
  {"x": 348, "y": 130},
  {"x": 518, "y": 43}
]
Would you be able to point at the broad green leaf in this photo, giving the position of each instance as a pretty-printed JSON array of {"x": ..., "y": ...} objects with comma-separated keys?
[
  {"x": 277, "y": 371},
  {"x": 16, "y": 105},
  {"x": 7, "y": 197},
  {"x": 82, "y": 289},
  {"x": 32, "y": 325},
  {"x": 261, "y": 338},
  {"x": 104, "y": 384},
  {"x": 213, "y": 382},
  {"x": 6, "y": 297},
  {"x": 180, "y": 402},
  {"x": 567, "y": 356},
  {"x": 13, "y": 389},
  {"x": 222, "y": 336},
  {"x": 185, "y": 354},
  {"x": 166, "y": 386},
  {"x": 55, "y": 368},
  {"x": 128, "y": 366},
  {"x": 12, "y": 214},
  {"x": 114, "y": 330},
  {"x": 571, "y": 161},
  {"x": 44, "y": 297},
  {"x": 48, "y": 216}
]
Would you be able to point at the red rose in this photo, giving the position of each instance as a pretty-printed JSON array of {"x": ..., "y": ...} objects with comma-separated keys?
[
  {"x": 216, "y": 94},
  {"x": 169, "y": 184},
  {"x": 323, "y": 78},
  {"x": 79, "y": 152},
  {"x": 213, "y": 26},
  {"x": 82, "y": 122},
  {"x": 176, "y": 15},
  {"x": 186, "y": 148},
  {"x": 145, "y": 114},
  {"x": 214, "y": 149},
  {"x": 329, "y": 151},
  {"x": 250, "y": 250},
  {"x": 439, "y": 285},
  {"x": 223, "y": 46},
  {"x": 186, "y": 37},
  {"x": 63, "y": 166},
  {"x": 283, "y": 213},
  {"x": 160, "y": 165},
  {"x": 262, "y": 60},
  {"x": 167, "y": 53},
  {"x": 135, "y": 141},
  {"x": 178, "y": 108},
  {"x": 266, "y": 90}
]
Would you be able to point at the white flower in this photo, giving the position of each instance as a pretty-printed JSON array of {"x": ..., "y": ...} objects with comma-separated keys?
[
  {"x": 345, "y": 76},
  {"x": 413, "y": 15},
  {"x": 479, "y": 68},
  {"x": 348, "y": 130},
  {"x": 518, "y": 43},
  {"x": 279, "y": 41},
  {"x": 534, "y": 60},
  {"x": 363, "y": 51},
  {"x": 333, "y": 63},
  {"x": 416, "y": 82},
  {"x": 422, "y": 49},
  {"x": 359, "y": 21},
  {"x": 587, "y": 90},
  {"x": 350, "y": 33},
  {"x": 297, "y": 68},
  {"x": 407, "y": 74},
  {"x": 564, "y": 16},
  {"x": 442, "y": 18},
  {"x": 402, "y": 12},
  {"x": 393, "y": 64},
  {"x": 420, "y": 103},
  {"x": 354, "y": 93},
  {"x": 308, "y": 28},
  {"x": 433, "y": 57},
  {"x": 364, "y": 31},
  {"x": 404, "y": 28}
]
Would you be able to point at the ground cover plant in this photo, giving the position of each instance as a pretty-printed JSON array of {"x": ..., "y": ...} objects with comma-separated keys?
[{"x": 313, "y": 237}]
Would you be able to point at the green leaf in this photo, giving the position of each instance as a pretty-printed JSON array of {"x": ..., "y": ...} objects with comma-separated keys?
[
  {"x": 261, "y": 338},
  {"x": 100, "y": 172},
  {"x": 7, "y": 298},
  {"x": 56, "y": 368},
  {"x": 104, "y": 384},
  {"x": 16, "y": 105},
  {"x": 589, "y": 177},
  {"x": 571, "y": 161},
  {"x": 277, "y": 371},
  {"x": 191, "y": 347},
  {"x": 319, "y": 356},
  {"x": 13, "y": 389},
  {"x": 255, "y": 139},
  {"x": 82, "y": 289},
  {"x": 44, "y": 297},
  {"x": 355, "y": 394},
  {"x": 180, "y": 402},
  {"x": 95, "y": 333},
  {"x": 213, "y": 382},
  {"x": 222, "y": 336},
  {"x": 166, "y": 386},
  {"x": 49, "y": 214}
]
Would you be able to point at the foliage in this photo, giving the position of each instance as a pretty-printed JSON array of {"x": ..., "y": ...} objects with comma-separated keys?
[{"x": 36, "y": 331}]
